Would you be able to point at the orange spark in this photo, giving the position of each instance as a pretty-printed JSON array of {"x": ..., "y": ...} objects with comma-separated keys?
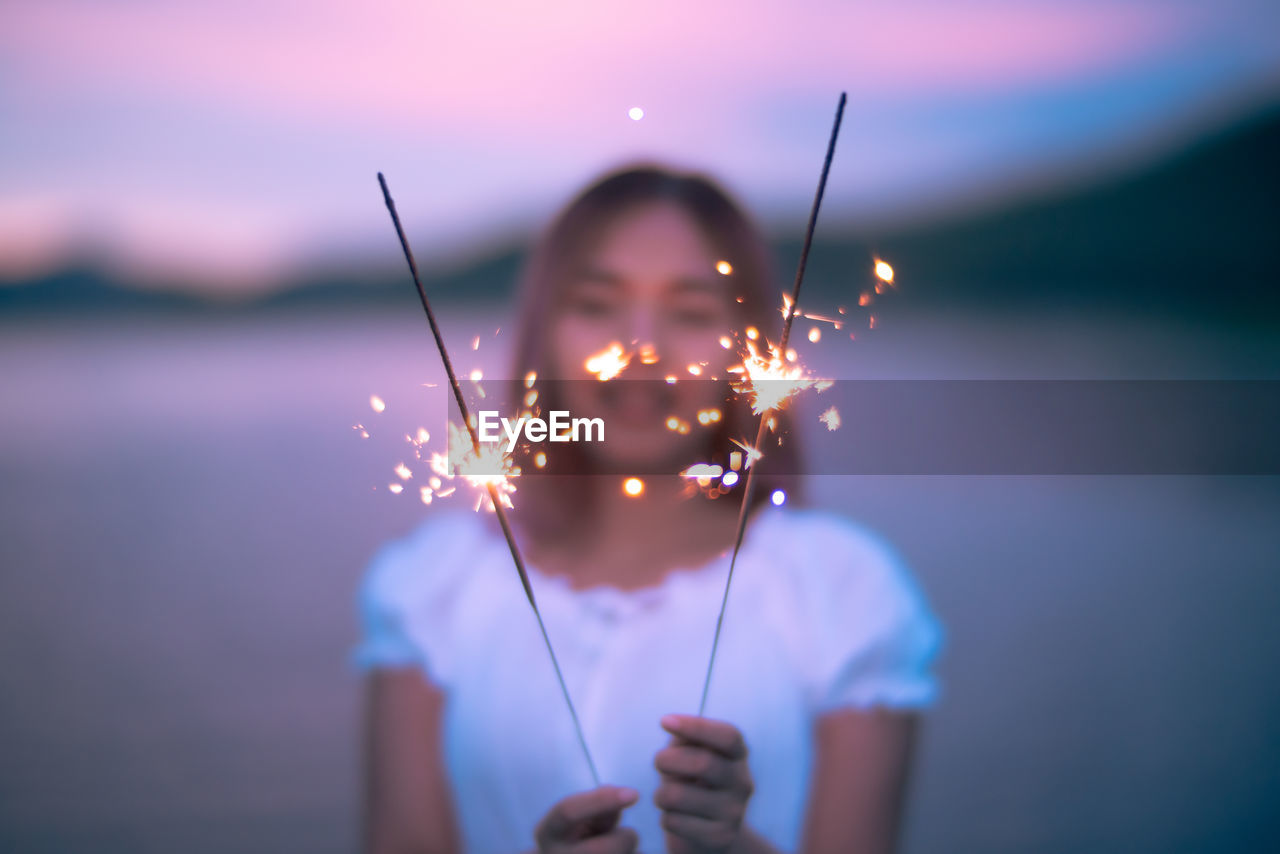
[{"x": 609, "y": 362}]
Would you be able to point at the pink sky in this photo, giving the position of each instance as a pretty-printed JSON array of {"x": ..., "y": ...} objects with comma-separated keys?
[{"x": 230, "y": 141}]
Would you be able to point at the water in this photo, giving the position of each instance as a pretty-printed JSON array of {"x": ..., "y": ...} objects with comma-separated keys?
[{"x": 187, "y": 510}]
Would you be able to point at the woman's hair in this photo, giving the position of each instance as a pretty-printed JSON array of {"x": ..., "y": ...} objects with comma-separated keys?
[{"x": 561, "y": 493}]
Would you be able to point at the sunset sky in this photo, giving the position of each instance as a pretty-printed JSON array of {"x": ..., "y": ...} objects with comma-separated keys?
[{"x": 228, "y": 142}]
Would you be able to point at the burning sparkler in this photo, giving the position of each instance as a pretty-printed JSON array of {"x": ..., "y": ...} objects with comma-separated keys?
[
  {"x": 496, "y": 496},
  {"x": 789, "y": 315}
]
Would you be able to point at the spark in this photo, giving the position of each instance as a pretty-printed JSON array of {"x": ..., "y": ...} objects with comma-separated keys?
[
  {"x": 377, "y": 403},
  {"x": 476, "y": 375},
  {"x": 425, "y": 494},
  {"x": 403, "y": 472},
  {"x": 609, "y": 362},
  {"x": 865, "y": 299},
  {"x": 694, "y": 369},
  {"x": 730, "y": 478},
  {"x": 752, "y": 333},
  {"x": 831, "y": 418},
  {"x": 726, "y": 342},
  {"x": 395, "y": 488},
  {"x": 540, "y": 459},
  {"x": 636, "y": 114},
  {"x": 778, "y": 498},
  {"x": 475, "y": 343},
  {"x": 708, "y": 416},
  {"x": 423, "y": 436},
  {"x": 815, "y": 334},
  {"x": 884, "y": 272},
  {"x": 490, "y": 466},
  {"x": 648, "y": 355},
  {"x": 752, "y": 454},
  {"x": 530, "y": 378},
  {"x": 724, "y": 268},
  {"x": 771, "y": 382},
  {"x": 633, "y": 486}
]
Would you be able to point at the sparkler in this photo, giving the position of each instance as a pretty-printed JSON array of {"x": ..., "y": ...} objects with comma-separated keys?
[
  {"x": 496, "y": 496},
  {"x": 789, "y": 315}
]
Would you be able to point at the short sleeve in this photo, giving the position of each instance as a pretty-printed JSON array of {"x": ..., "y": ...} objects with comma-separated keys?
[
  {"x": 874, "y": 638},
  {"x": 405, "y": 599}
]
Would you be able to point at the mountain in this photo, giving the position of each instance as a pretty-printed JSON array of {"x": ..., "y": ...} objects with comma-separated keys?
[{"x": 1192, "y": 232}]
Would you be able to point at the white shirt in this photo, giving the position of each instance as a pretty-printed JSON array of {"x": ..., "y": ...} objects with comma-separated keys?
[{"x": 821, "y": 615}]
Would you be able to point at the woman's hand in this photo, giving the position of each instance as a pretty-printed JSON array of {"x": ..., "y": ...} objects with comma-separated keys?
[
  {"x": 705, "y": 785},
  {"x": 587, "y": 823}
]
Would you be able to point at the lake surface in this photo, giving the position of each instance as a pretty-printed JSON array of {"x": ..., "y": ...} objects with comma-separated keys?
[{"x": 187, "y": 510}]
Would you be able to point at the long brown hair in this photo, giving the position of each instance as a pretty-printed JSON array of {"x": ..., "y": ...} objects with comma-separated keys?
[{"x": 560, "y": 496}]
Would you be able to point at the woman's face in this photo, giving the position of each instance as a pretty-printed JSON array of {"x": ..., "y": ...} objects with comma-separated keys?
[{"x": 652, "y": 286}]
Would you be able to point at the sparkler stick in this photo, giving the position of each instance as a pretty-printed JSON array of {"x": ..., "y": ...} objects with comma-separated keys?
[
  {"x": 749, "y": 486},
  {"x": 493, "y": 490}
]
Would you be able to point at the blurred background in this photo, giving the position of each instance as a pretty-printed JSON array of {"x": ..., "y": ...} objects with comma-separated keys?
[{"x": 200, "y": 290}]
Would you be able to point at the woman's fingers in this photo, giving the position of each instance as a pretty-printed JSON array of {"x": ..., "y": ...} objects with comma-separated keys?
[
  {"x": 688, "y": 799},
  {"x": 620, "y": 840},
  {"x": 702, "y": 832},
  {"x": 722, "y": 737},
  {"x": 695, "y": 764},
  {"x": 584, "y": 815}
]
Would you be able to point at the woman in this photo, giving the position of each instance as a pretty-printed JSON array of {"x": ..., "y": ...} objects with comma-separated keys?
[{"x": 826, "y": 648}]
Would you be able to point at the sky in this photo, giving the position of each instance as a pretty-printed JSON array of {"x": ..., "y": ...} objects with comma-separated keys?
[{"x": 227, "y": 144}]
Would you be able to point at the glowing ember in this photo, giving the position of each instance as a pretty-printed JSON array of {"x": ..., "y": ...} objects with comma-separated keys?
[
  {"x": 831, "y": 418},
  {"x": 696, "y": 370},
  {"x": 359, "y": 428},
  {"x": 778, "y": 498},
  {"x": 476, "y": 375},
  {"x": 871, "y": 322},
  {"x": 884, "y": 272},
  {"x": 671, "y": 379},
  {"x": 735, "y": 460},
  {"x": 752, "y": 333},
  {"x": 677, "y": 425},
  {"x": 703, "y": 471},
  {"x": 648, "y": 355},
  {"x": 402, "y": 471},
  {"x": 531, "y": 397},
  {"x": 636, "y": 114},
  {"x": 608, "y": 363},
  {"x": 708, "y": 416},
  {"x": 395, "y": 488},
  {"x": 815, "y": 334},
  {"x": 724, "y": 268},
  {"x": 530, "y": 378},
  {"x": 377, "y": 403},
  {"x": 725, "y": 342},
  {"x": 865, "y": 299},
  {"x": 633, "y": 486},
  {"x": 425, "y": 494},
  {"x": 540, "y": 459},
  {"x": 423, "y": 436}
]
